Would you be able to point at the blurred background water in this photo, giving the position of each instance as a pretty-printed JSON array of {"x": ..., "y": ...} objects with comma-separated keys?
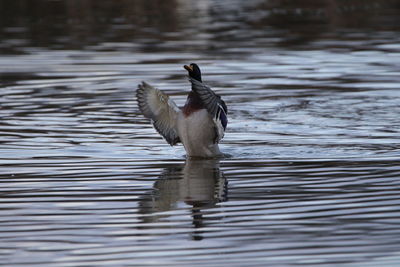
[{"x": 313, "y": 94}]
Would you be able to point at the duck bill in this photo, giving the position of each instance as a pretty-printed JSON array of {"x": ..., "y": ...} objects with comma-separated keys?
[{"x": 188, "y": 68}]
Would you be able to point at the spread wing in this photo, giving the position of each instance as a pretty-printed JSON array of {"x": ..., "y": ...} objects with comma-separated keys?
[
  {"x": 215, "y": 106},
  {"x": 162, "y": 111}
]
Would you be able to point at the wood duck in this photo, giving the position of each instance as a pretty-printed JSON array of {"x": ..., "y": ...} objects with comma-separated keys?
[{"x": 199, "y": 125}]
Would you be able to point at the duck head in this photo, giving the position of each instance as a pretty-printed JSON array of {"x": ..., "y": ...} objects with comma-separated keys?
[{"x": 194, "y": 71}]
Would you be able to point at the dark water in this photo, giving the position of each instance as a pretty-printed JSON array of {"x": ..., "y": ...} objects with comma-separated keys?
[{"x": 313, "y": 136}]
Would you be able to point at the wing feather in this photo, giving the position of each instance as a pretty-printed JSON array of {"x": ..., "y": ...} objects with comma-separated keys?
[
  {"x": 160, "y": 109},
  {"x": 215, "y": 106}
]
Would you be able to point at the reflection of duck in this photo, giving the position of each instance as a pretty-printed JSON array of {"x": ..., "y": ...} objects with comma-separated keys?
[
  {"x": 199, "y": 125},
  {"x": 199, "y": 184}
]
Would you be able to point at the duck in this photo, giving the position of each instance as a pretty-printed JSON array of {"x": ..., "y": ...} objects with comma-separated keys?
[{"x": 199, "y": 125}]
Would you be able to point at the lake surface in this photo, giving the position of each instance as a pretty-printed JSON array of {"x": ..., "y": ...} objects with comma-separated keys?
[{"x": 313, "y": 166}]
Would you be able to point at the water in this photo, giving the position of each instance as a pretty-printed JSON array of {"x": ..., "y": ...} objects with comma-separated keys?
[{"x": 313, "y": 97}]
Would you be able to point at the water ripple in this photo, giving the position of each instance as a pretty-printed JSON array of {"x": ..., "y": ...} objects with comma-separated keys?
[{"x": 311, "y": 176}]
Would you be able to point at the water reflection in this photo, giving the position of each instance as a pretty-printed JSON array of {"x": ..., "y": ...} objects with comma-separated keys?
[{"x": 199, "y": 184}]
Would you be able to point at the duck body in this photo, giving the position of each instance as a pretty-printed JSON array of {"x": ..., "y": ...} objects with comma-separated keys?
[
  {"x": 197, "y": 133},
  {"x": 199, "y": 125}
]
